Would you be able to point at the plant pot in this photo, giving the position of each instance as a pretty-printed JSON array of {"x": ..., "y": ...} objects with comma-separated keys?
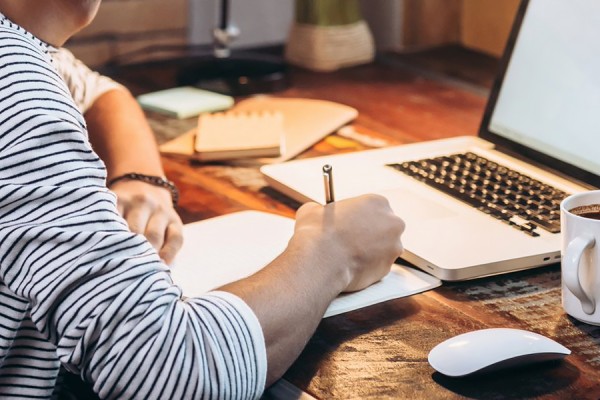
[{"x": 328, "y": 35}]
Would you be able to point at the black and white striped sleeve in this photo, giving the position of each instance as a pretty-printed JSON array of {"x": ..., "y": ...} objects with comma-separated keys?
[{"x": 96, "y": 291}]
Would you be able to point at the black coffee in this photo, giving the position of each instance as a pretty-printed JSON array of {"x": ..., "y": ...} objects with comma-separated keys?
[{"x": 591, "y": 211}]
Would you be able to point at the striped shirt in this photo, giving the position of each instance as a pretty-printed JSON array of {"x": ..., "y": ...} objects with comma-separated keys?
[{"x": 77, "y": 288}]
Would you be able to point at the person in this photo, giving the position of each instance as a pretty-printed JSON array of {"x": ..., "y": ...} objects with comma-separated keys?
[{"x": 79, "y": 289}]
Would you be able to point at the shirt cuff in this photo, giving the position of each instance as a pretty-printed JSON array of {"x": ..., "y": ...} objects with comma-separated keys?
[{"x": 254, "y": 329}]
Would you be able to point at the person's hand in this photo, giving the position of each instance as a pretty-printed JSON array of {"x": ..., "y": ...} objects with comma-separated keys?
[
  {"x": 149, "y": 210},
  {"x": 359, "y": 235}
]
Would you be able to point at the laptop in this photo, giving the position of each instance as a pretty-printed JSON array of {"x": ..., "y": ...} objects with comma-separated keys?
[{"x": 485, "y": 205}]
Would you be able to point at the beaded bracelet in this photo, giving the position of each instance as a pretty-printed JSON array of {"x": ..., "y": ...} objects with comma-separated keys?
[{"x": 149, "y": 179}]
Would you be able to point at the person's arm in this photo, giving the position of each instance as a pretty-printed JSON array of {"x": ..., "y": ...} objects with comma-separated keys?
[
  {"x": 121, "y": 136},
  {"x": 344, "y": 246},
  {"x": 100, "y": 294}
]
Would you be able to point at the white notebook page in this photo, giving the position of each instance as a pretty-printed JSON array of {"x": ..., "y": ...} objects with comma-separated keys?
[{"x": 228, "y": 248}]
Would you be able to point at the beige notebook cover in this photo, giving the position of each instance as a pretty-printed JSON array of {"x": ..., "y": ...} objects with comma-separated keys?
[
  {"x": 238, "y": 134},
  {"x": 305, "y": 122}
]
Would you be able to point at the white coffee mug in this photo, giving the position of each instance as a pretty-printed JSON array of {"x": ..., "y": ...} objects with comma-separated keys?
[{"x": 581, "y": 258}]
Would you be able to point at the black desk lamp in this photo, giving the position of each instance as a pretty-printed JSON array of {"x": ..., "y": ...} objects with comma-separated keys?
[{"x": 237, "y": 72}]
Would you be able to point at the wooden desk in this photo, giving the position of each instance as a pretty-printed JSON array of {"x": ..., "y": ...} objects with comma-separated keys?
[{"x": 381, "y": 351}]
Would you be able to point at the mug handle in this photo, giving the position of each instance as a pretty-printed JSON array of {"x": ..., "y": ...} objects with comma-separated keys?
[{"x": 572, "y": 263}]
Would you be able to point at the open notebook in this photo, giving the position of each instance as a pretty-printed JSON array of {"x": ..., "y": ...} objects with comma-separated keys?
[{"x": 228, "y": 248}]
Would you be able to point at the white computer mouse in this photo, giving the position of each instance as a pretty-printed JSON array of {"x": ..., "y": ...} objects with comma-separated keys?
[{"x": 491, "y": 349}]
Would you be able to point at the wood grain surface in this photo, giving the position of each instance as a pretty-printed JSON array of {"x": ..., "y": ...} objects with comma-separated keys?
[{"x": 381, "y": 352}]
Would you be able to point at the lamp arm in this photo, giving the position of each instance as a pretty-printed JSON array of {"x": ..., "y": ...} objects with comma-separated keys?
[
  {"x": 225, "y": 32},
  {"x": 224, "y": 21}
]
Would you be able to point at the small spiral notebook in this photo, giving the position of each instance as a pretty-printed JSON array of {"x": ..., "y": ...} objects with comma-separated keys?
[{"x": 239, "y": 134}]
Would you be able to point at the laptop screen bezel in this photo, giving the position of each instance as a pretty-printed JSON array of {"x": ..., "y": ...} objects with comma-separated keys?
[{"x": 512, "y": 147}]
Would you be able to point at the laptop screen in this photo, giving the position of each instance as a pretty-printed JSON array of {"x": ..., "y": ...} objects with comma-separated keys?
[{"x": 546, "y": 103}]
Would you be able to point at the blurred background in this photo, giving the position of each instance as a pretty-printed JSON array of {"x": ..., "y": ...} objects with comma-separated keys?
[{"x": 128, "y": 29}]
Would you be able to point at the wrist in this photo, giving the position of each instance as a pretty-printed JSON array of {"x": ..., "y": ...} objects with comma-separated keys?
[
  {"x": 324, "y": 257},
  {"x": 153, "y": 180}
]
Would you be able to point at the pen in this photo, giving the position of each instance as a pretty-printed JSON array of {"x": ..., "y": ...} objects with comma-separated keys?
[{"x": 328, "y": 180}]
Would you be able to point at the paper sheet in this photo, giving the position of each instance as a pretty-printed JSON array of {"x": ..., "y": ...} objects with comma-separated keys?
[
  {"x": 231, "y": 247},
  {"x": 401, "y": 281}
]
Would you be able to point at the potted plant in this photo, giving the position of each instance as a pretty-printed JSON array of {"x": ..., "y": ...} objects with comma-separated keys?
[{"x": 329, "y": 34}]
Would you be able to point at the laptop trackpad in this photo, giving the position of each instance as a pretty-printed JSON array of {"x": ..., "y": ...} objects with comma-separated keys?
[{"x": 411, "y": 206}]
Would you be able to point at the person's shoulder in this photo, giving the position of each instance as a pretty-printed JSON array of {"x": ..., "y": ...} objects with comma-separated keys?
[
  {"x": 30, "y": 86},
  {"x": 15, "y": 39}
]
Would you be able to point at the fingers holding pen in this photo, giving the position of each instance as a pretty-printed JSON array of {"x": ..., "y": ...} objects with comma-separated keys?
[{"x": 362, "y": 234}]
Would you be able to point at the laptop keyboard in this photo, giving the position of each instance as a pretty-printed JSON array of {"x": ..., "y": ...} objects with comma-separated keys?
[{"x": 523, "y": 202}]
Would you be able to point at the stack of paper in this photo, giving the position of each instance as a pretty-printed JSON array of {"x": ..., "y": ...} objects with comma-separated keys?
[
  {"x": 225, "y": 249},
  {"x": 305, "y": 122}
]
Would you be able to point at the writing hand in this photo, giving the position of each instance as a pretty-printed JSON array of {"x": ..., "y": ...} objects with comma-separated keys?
[{"x": 361, "y": 235}]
